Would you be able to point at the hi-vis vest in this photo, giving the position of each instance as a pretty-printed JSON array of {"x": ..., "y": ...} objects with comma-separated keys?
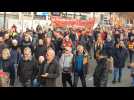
[{"x": 130, "y": 45}]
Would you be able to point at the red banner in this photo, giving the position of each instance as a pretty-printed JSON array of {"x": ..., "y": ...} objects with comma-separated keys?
[{"x": 73, "y": 23}]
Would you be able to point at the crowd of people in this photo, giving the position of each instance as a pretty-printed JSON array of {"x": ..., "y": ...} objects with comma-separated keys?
[{"x": 36, "y": 58}]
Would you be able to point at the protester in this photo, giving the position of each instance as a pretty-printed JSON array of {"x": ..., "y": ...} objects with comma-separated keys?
[
  {"x": 26, "y": 42},
  {"x": 66, "y": 65},
  {"x": 38, "y": 79},
  {"x": 120, "y": 56},
  {"x": 130, "y": 45},
  {"x": 79, "y": 66},
  {"x": 48, "y": 44},
  {"x": 67, "y": 42},
  {"x": 51, "y": 71},
  {"x": 27, "y": 68},
  {"x": 7, "y": 40},
  {"x": 108, "y": 46},
  {"x": 58, "y": 39},
  {"x": 7, "y": 66},
  {"x": 100, "y": 75},
  {"x": 40, "y": 49},
  {"x": 15, "y": 55},
  {"x": 98, "y": 45}
]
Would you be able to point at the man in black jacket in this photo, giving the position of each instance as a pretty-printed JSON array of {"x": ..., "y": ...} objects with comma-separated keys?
[
  {"x": 51, "y": 70},
  {"x": 27, "y": 68}
]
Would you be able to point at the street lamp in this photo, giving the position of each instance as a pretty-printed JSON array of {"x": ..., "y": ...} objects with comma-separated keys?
[{"x": 4, "y": 25}]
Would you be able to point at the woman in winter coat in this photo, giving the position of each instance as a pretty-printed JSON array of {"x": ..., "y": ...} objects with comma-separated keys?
[
  {"x": 120, "y": 55},
  {"x": 7, "y": 66}
]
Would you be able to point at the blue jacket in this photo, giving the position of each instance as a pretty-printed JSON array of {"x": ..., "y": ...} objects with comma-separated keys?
[{"x": 78, "y": 64}]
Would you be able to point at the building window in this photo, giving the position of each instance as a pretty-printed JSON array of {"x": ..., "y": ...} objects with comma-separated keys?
[
  {"x": 131, "y": 21},
  {"x": 27, "y": 13}
]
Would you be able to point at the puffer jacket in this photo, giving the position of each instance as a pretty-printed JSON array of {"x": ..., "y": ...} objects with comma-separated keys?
[{"x": 27, "y": 70}]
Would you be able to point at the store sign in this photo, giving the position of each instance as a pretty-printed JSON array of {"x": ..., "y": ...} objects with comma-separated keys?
[
  {"x": 55, "y": 13},
  {"x": 42, "y": 13}
]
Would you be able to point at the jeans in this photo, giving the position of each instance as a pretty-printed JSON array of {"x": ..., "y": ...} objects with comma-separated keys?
[
  {"x": 82, "y": 78},
  {"x": 35, "y": 83},
  {"x": 14, "y": 75},
  {"x": 117, "y": 71},
  {"x": 130, "y": 56},
  {"x": 66, "y": 77}
]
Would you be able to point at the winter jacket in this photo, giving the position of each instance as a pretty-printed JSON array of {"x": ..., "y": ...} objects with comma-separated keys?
[
  {"x": 95, "y": 33},
  {"x": 26, "y": 44},
  {"x": 130, "y": 45},
  {"x": 58, "y": 46},
  {"x": 27, "y": 70},
  {"x": 7, "y": 66},
  {"x": 41, "y": 69},
  {"x": 66, "y": 62},
  {"x": 108, "y": 47},
  {"x": 78, "y": 64},
  {"x": 15, "y": 55},
  {"x": 50, "y": 46},
  {"x": 130, "y": 35},
  {"x": 101, "y": 73},
  {"x": 83, "y": 40},
  {"x": 72, "y": 37},
  {"x": 120, "y": 55},
  {"x": 53, "y": 72},
  {"x": 116, "y": 38},
  {"x": 8, "y": 43},
  {"x": 40, "y": 51}
]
